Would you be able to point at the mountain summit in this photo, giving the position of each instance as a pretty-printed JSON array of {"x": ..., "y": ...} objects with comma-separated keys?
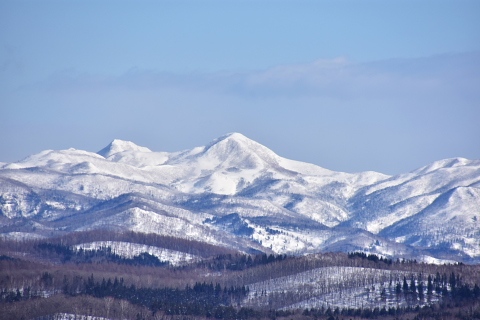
[
  {"x": 117, "y": 146},
  {"x": 239, "y": 194}
]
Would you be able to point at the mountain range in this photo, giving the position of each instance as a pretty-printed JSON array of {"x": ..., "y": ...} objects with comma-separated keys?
[{"x": 237, "y": 193}]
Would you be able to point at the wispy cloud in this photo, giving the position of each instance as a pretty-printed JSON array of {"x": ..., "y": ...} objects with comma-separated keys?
[{"x": 337, "y": 78}]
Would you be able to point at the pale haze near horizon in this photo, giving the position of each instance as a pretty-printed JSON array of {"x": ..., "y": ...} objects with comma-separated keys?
[{"x": 351, "y": 86}]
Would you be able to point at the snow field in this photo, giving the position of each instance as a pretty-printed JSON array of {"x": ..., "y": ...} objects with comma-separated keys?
[{"x": 129, "y": 250}]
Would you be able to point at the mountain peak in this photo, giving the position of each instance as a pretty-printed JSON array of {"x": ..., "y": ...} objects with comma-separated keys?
[
  {"x": 233, "y": 136},
  {"x": 237, "y": 147},
  {"x": 117, "y": 146},
  {"x": 445, "y": 164}
]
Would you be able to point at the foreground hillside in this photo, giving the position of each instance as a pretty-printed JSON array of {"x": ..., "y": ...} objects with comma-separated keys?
[
  {"x": 238, "y": 194},
  {"x": 76, "y": 276}
]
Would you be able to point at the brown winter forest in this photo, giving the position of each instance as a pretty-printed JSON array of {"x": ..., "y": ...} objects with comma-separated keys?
[{"x": 50, "y": 279}]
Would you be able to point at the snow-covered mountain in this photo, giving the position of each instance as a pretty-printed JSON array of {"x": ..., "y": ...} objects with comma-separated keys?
[{"x": 237, "y": 193}]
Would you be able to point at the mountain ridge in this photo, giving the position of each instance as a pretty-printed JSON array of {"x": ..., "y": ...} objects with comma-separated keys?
[{"x": 287, "y": 206}]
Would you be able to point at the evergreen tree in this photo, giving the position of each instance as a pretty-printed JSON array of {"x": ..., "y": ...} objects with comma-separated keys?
[
  {"x": 398, "y": 288},
  {"x": 405, "y": 285},
  {"x": 452, "y": 281},
  {"x": 420, "y": 290},
  {"x": 413, "y": 287},
  {"x": 429, "y": 285}
]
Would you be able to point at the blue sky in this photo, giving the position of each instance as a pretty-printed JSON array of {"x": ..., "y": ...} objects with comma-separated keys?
[{"x": 351, "y": 86}]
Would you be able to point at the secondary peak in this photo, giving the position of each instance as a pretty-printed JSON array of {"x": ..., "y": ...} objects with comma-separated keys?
[{"x": 121, "y": 145}]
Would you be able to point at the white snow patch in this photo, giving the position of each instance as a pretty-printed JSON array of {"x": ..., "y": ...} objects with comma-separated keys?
[
  {"x": 129, "y": 250},
  {"x": 21, "y": 235}
]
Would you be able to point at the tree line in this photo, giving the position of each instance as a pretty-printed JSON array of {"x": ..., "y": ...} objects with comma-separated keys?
[
  {"x": 193, "y": 247},
  {"x": 69, "y": 254},
  {"x": 239, "y": 262},
  {"x": 201, "y": 299}
]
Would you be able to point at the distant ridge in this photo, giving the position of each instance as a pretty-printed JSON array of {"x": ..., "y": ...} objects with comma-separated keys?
[{"x": 236, "y": 193}]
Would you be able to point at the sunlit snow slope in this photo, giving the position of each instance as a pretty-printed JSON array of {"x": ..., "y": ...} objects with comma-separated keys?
[{"x": 237, "y": 193}]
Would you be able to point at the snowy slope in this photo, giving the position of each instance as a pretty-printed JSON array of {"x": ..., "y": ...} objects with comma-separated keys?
[
  {"x": 269, "y": 203},
  {"x": 434, "y": 206},
  {"x": 129, "y": 250},
  {"x": 343, "y": 287}
]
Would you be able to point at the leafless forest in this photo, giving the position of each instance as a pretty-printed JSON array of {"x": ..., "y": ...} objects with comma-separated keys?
[{"x": 52, "y": 279}]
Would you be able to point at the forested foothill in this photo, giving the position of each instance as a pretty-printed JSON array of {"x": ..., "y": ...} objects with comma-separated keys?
[{"x": 55, "y": 279}]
